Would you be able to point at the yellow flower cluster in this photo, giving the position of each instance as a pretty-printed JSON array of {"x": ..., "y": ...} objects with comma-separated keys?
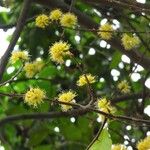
[
  {"x": 104, "y": 105},
  {"x": 67, "y": 97},
  {"x": 68, "y": 20},
  {"x": 34, "y": 97},
  {"x": 119, "y": 147},
  {"x": 42, "y": 21},
  {"x": 83, "y": 79},
  {"x": 105, "y": 31},
  {"x": 55, "y": 15},
  {"x": 19, "y": 55},
  {"x": 144, "y": 144},
  {"x": 124, "y": 87},
  {"x": 58, "y": 51},
  {"x": 130, "y": 42},
  {"x": 32, "y": 68}
]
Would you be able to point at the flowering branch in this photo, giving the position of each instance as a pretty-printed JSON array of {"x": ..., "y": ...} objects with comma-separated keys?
[
  {"x": 86, "y": 21},
  {"x": 75, "y": 112}
]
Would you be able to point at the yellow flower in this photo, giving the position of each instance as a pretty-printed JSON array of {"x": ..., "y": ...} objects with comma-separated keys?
[
  {"x": 144, "y": 144},
  {"x": 67, "y": 97},
  {"x": 58, "y": 51},
  {"x": 119, "y": 147},
  {"x": 55, "y": 15},
  {"x": 34, "y": 97},
  {"x": 39, "y": 64},
  {"x": 42, "y": 21},
  {"x": 19, "y": 55},
  {"x": 32, "y": 68},
  {"x": 105, "y": 31},
  {"x": 124, "y": 87},
  {"x": 104, "y": 105},
  {"x": 130, "y": 42},
  {"x": 83, "y": 80},
  {"x": 68, "y": 20}
]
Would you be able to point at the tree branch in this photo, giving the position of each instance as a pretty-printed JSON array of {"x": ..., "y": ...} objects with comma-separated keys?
[
  {"x": 129, "y": 96},
  {"x": 75, "y": 112},
  {"x": 123, "y": 4},
  {"x": 11, "y": 25},
  {"x": 38, "y": 116},
  {"x": 16, "y": 34}
]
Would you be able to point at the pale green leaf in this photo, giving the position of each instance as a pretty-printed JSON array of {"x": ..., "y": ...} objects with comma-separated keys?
[{"x": 103, "y": 143}]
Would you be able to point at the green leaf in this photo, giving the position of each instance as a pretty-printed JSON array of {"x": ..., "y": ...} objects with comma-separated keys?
[
  {"x": 16, "y": 109},
  {"x": 43, "y": 147},
  {"x": 114, "y": 136},
  {"x": 70, "y": 130},
  {"x": 104, "y": 141},
  {"x": 38, "y": 135},
  {"x": 49, "y": 71},
  {"x": 115, "y": 59},
  {"x": 3, "y": 17}
]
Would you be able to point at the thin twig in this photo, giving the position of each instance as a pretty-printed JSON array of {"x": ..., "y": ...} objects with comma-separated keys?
[
  {"x": 71, "y": 5},
  {"x": 97, "y": 30},
  {"x": 13, "y": 77},
  {"x": 98, "y": 134},
  {"x": 8, "y": 26},
  {"x": 119, "y": 117},
  {"x": 11, "y": 94}
]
